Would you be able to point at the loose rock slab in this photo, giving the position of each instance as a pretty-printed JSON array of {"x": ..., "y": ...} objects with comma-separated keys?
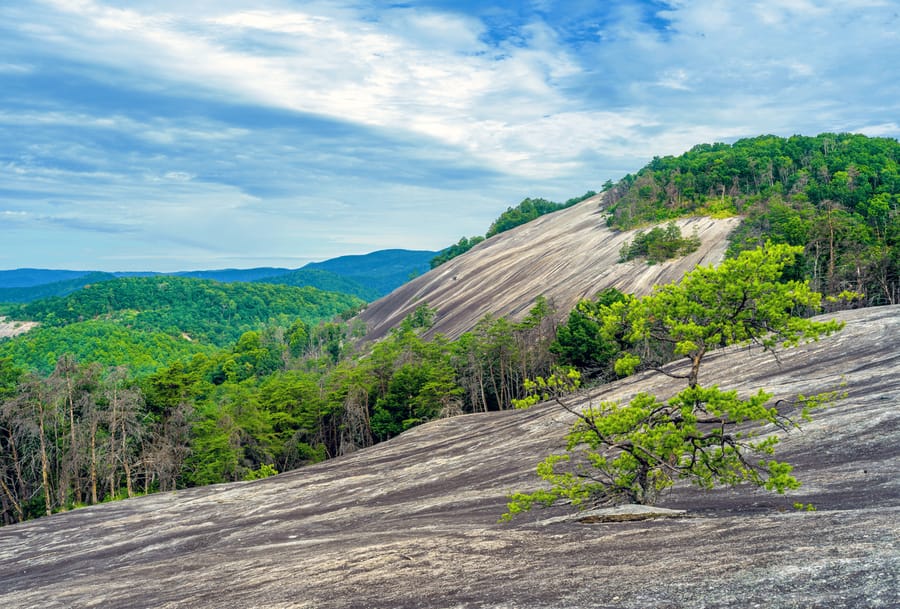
[{"x": 619, "y": 513}]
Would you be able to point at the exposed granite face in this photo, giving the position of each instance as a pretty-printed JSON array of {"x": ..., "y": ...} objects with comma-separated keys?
[
  {"x": 564, "y": 256},
  {"x": 8, "y": 329},
  {"x": 414, "y": 522}
]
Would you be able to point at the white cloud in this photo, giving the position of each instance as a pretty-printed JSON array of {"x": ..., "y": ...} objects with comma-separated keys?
[
  {"x": 179, "y": 176},
  {"x": 882, "y": 130},
  {"x": 414, "y": 70},
  {"x": 369, "y": 113},
  {"x": 675, "y": 79}
]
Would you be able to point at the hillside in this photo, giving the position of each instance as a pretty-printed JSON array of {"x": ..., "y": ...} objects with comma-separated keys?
[
  {"x": 324, "y": 280},
  {"x": 366, "y": 276},
  {"x": 565, "y": 256},
  {"x": 25, "y": 278},
  {"x": 61, "y": 287},
  {"x": 209, "y": 311},
  {"x": 144, "y": 323},
  {"x": 381, "y": 271},
  {"x": 413, "y": 522}
]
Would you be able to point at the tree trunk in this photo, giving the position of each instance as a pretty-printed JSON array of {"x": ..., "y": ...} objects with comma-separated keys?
[
  {"x": 94, "y": 462},
  {"x": 20, "y": 514},
  {"x": 45, "y": 464},
  {"x": 113, "y": 424},
  {"x": 125, "y": 464},
  {"x": 73, "y": 448}
]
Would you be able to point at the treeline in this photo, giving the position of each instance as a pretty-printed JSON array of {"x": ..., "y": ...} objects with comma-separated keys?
[
  {"x": 275, "y": 400},
  {"x": 107, "y": 343},
  {"x": 838, "y": 195},
  {"x": 526, "y": 211},
  {"x": 200, "y": 310}
]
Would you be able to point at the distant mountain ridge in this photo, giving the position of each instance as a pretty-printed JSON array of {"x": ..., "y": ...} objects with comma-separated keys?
[
  {"x": 383, "y": 271},
  {"x": 366, "y": 276},
  {"x": 61, "y": 287},
  {"x": 28, "y": 277}
]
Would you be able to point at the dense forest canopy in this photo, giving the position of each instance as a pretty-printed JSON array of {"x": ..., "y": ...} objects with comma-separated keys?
[
  {"x": 154, "y": 383},
  {"x": 838, "y": 195},
  {"x": 204, "y": 310},
  {"x": 104, "y": 342}
]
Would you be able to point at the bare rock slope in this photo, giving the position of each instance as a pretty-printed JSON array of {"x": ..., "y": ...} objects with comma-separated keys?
[
  {"x": 564, "y": 256},
  {"x": 414, "y": 522},
  {"x": 9, "y": 329}
]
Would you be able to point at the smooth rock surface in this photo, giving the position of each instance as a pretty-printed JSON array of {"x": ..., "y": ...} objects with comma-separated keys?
[
  {"x": 8, "y": 329},
  {"x": 565, "y": 256},
  {"x": 414, "y": 522}
]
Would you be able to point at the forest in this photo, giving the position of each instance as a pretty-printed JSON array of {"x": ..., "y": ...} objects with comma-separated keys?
[
  {"x": 140, "y": 385},
  {"x": 275, "y": 400},
  {"x": 834, "y": 194}
]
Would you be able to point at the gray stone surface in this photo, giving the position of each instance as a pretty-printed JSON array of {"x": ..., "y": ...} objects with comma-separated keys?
[
  {"x": 9, "y": 329},
  {"x": 564, "y": 256},
  {"x": 414, "y": 522}
]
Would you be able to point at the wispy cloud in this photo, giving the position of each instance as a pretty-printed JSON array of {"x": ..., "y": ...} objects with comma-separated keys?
[{"x": 306, "y": 130}]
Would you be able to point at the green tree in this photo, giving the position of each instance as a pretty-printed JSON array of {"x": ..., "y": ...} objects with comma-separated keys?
[
  {"x": 632, "y": 452},
  {"x": 659, "y": 245},
  {"x": 580, "y": 342}
]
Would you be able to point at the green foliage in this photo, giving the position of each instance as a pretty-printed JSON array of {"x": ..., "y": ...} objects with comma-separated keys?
[
  {"x": 414, "y": 380},
  {"x": 580, "y": 342},
  {"x": 9, "y": 377},
  {"x": 494, "y": 360},
  {"x": 281, "y": 395},
  {"x": 107, "y": 343},
  {"x": 561, "y": 382},
  {"x": 659, "y": 244},
  {"x": 459, "y": 248},
  {"x": 528, "y": 210},
  {"x": 743, "y": 301},
  {"x": 844, "y": 168},
  {"x": 264, "y": 471},
  {"x": 838, "y": 195},
  {"x": 206, "y": 311},
  {"x": 633, "y": 452}
]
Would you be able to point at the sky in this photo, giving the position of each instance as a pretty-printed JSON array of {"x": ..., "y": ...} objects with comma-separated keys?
[{"x": 162, "y": 135}]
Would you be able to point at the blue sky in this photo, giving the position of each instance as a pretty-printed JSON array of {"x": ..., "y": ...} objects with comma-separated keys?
[{"x": 163, "y": 135}]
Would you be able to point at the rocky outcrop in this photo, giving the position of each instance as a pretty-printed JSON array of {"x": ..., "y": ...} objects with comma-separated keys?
[
  {"x": 8, "y": 329},
  {"x": 413, "y": 522},
  {"x": 565, "y": 256}
]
